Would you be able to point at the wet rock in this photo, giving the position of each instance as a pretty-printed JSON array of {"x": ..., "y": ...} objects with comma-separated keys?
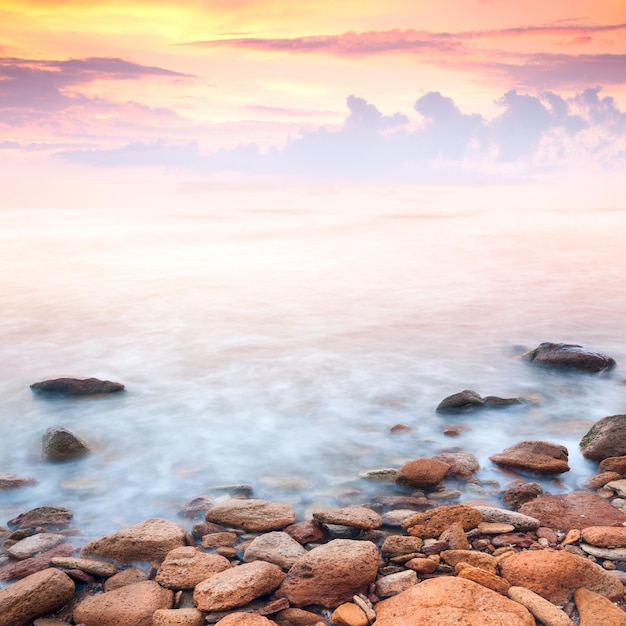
[
  {"x": 578, "y": 509},
  {"x": 237, "y": 586},
  {"x": 274, "y": 547},
  {"x": 606, "y": 438},
  {"x": 546, "y": 612},
  {"x": 30, "y": 546},
  {"x": 51, "y": 517},
  {"x": 432, "y": 523},
  {"x": 556, "y": 574},
  {"x": 461, "y": 401},
  {"x": 60, "y": 444},
  {"x": 76, "y": 387},
  {"x": 131, "y": 605},
  {"x": 393, "y": 584},
  {"x": 516, "y": 496},
  {"x": 20, "y": 569},
  {"x": 96, "y": 568},
  {"x": 196, "y": 508},
  {"x": 518, "y": 520},
  {"x": 178, "y": 617},
  {"x": 605, "y": 536},
  {"x": 245, "y": 619},
  {"x": 450, "y": 601},
  {"x": 569, "y": 356},
  {"x": 34, "y": 596},
  {"x": 252, "y": 515},
  {"x": 331, "y": 574},
  {"x": 149, "y": 540},
  {"x": 11, "y": 481},
  {"x": 422, "y": 473},
  {"x": 595, "y": 610},
  {"x": 352, "y": 516},
  {"x": 462, "y": 464},
  {"x": 184, "y": 568},
  {"x": 614, "y": 464},
  {"x": 599, "y": 480},
  {"x": 540, "y": 457}
]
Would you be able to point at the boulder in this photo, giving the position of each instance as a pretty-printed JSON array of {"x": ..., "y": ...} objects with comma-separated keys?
[
  {"x": 461, "y": 401},
  {"x": 451, "y": 601},
  {"x": 540, "y": 457},
  {"x": 51, "y": 517},
  {"x": 60, "y": 444},
  {"x": 274, "y": 547},
  {"x": 76, "y": 387},
  {"x": 34, "y": 596},
  {"x": 606, "y": 438},
  {"x": 149, "y": 540},
  {"x": 577, "y": 509},
  {"x": 353, "y": 516},
  {"x": 614, "y": 464},
  {"x": 422, "y": 473},
  {"x": 331, "y": 574},
  {"x": 556, "y": 574},
  {"x": 569, "y": 357},
  {"x": 184, "y": 568},
  {"x": 595, "y": 610},
  {"x": 237, "y": 586},
  {"x": 131, "y": 605},
  {"x": 252, "y": 515},
  {"x": 432, "y": 523}
]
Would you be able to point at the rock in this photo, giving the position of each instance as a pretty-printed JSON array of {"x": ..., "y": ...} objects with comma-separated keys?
[
  {"x": 619, "y": 486},
  {"x": 556, "y": 574},
  {"x": 297, "y": 617},
  {"x": 569, "y": 356},
  {"x": 11, "y": 481},
  {"x": 450, "y": 601},
  {"x": 606, "y": 438},
  {"x": 605, "y": 536},
  {"x": 516, "y": 496},
  {"x": 252, "y": 515},
  {"x": 125, "y": 577},
  {"x": 237, "y": 586},
  {"x": 397, "y": 545},
  {"x": 30, "y": 546},
  {"x": 178, "y": 617},
  {"x": 34, "y": 596},
  {"x": 454, "y": 537},
  {"x": 331, "y": 574},
  {"x": 216, "y": 540},
  {"x": 474, "y": 558},
  {"x": 51, "y": 517},
  {"x": 306, "y": 532},
  {"x": 245, "y": 619},
  {"x": 352, "y": 516},
  {"x": 97, "y": 568},
  {"x": 184, "y": 568},
  {"x": 497, "y": 402},
  {"x": 519, "y": 521},
  {"x": 546, "y": 612},
  {"x": 485, "y": 578},
  {"x": 432, "y": 523},
  {"x": 274, "y": 547},
  {"x": 349, "y": 614},
  {"x": 421, "y": 565},
  {"x": 494, "y": 528},
  {"x": 461, "y": 401},
  {"x": 578, "y": 509},
  {"x": 599, "y": 480},
  {"x": 540, "y": 457},
  {"x": 393, "y": 584},
  {"x": 614, "y": 464},
  {"x": 196, "y": 508},
  {"x": 422, "y": 473},
  {"x": 131, "y": 605},
  {"x": 462, "y": 464},
  {"x": 146, "y": 541},
  {"x": 59, "y": 444},
  {"x": 611, "y": 554},
  {"x": 521, "y": 540},
  {"x": 20, "y": 569},
  {"x": 595, "y": 610},
  {"x": 76, "y": 387}
]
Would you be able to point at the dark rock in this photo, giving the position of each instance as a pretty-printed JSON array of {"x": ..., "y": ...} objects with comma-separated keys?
[
  {"x": 569, "y": 356},
  {"x": 606, "y": 438},
  {"x": 76, "y": 387},
  {"x": 466, "y": 399},
  {"x": 534, "y": 456},
  {"x": 51, "y": 517},
  {"x": 60, "y": 444},
  {"x": 516, "y": 496}
]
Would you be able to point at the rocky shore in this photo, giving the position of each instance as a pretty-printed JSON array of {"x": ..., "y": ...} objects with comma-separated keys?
[{"x": 414, "y": 553}]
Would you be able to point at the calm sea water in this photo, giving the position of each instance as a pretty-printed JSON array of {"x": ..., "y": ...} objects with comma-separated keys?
[{"x": 278, "y": 348}]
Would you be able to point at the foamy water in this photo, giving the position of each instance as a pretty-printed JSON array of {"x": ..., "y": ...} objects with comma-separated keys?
[{"x": 279, "y": 348}]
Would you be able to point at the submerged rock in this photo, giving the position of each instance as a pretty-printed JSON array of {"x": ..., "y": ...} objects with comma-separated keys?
[
  {"x": 605, "y": 439},
  {"x": 569, "y": 356},
  {"x": 11, "y": 481},
  {"x": 52, "y": 517},
  {"x": 76, "y": 387},
  {"x": 60, "y": 444}
]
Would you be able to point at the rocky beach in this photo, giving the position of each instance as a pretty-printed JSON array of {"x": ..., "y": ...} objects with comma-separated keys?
[{"x": 427, "y": 543}]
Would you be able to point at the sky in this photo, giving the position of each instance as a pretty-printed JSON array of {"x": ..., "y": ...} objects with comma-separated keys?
[{"x": 158, "y": 104}]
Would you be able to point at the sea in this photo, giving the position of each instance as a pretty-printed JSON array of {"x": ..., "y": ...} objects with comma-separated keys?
[{"x": 276, "y": 349}]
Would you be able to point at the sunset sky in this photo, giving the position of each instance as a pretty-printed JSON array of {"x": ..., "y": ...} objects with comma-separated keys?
[{"x": 132, "y": 103}]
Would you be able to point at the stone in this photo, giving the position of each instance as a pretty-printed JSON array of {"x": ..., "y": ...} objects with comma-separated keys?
[
  {"x": 216, "y": 540},
  {"x": 178, "y": 617},
  {"x": 569, "y": 357},
  {"x": 474, "y": 558},
  {"x": 518, "y": 520},
  {"x": 605, "y": 536},
  {"x": 196, "y": 508},
  {"x": 393, "y": 584},
  {"x": 76, "y": 387},
  {"x": 494, "y": 528},
  {"x": 245, "y": 619},
  {"x": 612, "y": 554},
  {"x": 296, "y": 617},
  {"x": 149, "y": 540},
  {"x": 432, "y": 523},
  {"x": 556, "y": 574},
  {"x": 96, "y": 568},
  {"x": 577, "y": 509},
  {"x": 540, "y": 457},
  {"x": 614, "y": 464},
  {"x": 421, "y": 565},
  {"x": 352, "y": 516},
  {"x": 127, "y": 576},
  {"x": 59, "y": 444},
  {"x": 331, "y": 574},
  {"x": 131, "y": 605},
  {"x": 35, "y": 544},
  {"x": 599, "y": 480},
  {"x": 595, "y": 610},
  {"x": 454, "y": 537},
  {"x": 461, "y": 401},
  {"x": 184, "y": 568},
  {"x": 252, "y": 515},
  {"x": 462, "y": 464},
  {"x": 516, "y": 496},
  {"x": 546, "y": 612},
  {"x": 20, "y": 569},
  {"x": 11, "y": 481},
  {"x": 51, "y": 517},
  {"x": 606, "y": 438},
  {"x": 237, "y": 586},
  {"x": 306, "y": 532},
  {"x": 397, "y": 545},
  {"x": 451, "y": 601},
  {"x": 422, "y": 473},
  {"x": 34, "y": 596},
  {"x": 349, "y": 614},
  {"x": 274, "y": 547},
  {"x": 619, "y": 486},
  {"x": 523, "y": 540},
  {"x": 485, "y": 578}
]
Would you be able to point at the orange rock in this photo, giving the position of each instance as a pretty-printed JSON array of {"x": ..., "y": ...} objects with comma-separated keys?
[
  {"x": 348, "y": 614},
  {"x": 596, "y": 610},
  {"x": 422, "y": 473},
  {"x": 432, "y": 523},
  {"x": 486, "y": 579}
]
